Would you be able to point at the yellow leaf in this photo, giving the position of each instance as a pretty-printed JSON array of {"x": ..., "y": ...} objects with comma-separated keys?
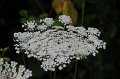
[{"x": 65, "y": 7}]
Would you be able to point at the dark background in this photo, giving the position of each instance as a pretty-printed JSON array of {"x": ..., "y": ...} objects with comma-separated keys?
[{"x": 102, "y": 14}]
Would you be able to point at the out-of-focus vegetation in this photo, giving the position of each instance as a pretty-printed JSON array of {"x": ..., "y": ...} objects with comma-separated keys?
[{"x": 102, "y": 14}]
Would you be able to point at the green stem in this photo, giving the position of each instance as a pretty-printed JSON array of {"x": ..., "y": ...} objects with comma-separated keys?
[
  {"x": 23, "y": 59},
  {"x": 75, "y": 70},
  {"x": 50, "y": 75},
  {"x": 83, "y": 7},
  {"x": 54, "y": 74},
  {"x": 82, "y": 19},
  {"x": 3, "y": 53}
]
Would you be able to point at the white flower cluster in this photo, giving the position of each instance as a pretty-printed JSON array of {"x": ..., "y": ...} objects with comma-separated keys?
[
  {"x": 30, "y": 25},
  {"x": 48, "y": 21},
  {"x": 13, "y": 71},
  {"x": 65, "y": 19},
  {"x": 56, "y": 48}
]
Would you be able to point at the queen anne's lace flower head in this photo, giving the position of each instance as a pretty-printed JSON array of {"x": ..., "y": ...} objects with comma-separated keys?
[
  {"x": 56, "y": 47},
  {"x": 29, "y": 25},
  {"x": 65, "y": 19},
  {"x": 48, "y": 21},
  {"x": 13, "y": 71}
]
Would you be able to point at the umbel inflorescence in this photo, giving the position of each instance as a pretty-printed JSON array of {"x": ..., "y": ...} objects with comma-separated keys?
[
  {"x": 12, "y": 70},
  {"x": 56, "y": 45}
]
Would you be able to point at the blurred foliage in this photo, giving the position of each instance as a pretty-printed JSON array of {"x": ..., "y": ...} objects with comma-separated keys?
[
  {"x": 2, "y": 52},
  {"x": 4, "y": 49},
  {"x": 101, "y": 14},
  {"x": 28, "y": 17}
]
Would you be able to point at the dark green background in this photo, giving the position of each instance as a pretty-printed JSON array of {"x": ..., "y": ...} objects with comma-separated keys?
[{"x": 102, "y": 14}]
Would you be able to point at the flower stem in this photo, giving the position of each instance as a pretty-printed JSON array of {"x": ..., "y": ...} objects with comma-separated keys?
[
  {"x": 50, "y": 75},
  {"x": 82, "y": 19},
  {"x": 55, "y": 74},
  {"x": 75, "y": 70},
  {"x": 2, "y": 53},
  {"x": 23, "y": 59},
  {"x": 83, "y": 7}
]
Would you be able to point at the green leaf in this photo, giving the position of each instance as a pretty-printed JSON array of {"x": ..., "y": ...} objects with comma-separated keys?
[
  {"x": 24, "y": 13},
  {"x": 5, "y": 49},
  {"x": 42, "y": 16},
  {"x": 6, "y": 59}
]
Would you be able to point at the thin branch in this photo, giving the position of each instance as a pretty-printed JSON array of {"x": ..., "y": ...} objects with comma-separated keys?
[
  {"x": 75, "y": 73},
  {"x": 83, "y": 8}
]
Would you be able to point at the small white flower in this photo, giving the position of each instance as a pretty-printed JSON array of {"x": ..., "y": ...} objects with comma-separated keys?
[
  {"x": 42, "y": 27},
  {"x": 60, "y": 68},
  {"x": 30, "y": 25},
  {"x": 48, "y": 21},
  {"x": 13, "y": 71},
  {"x": 93, "y": 31},
  {"x": 65, "y": 19},
  {"x": 57, "y": 27},
  {"x": 71, "y": 28}
]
